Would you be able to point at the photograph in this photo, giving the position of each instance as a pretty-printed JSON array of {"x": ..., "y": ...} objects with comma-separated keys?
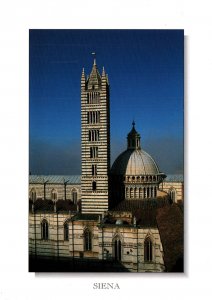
[{"x": 106, "y": 150}]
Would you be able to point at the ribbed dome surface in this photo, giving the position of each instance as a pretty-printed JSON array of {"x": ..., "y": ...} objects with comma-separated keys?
[{"x": 134, "y": 162}]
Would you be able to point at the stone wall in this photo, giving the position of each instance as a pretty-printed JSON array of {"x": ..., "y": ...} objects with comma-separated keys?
[
  {"x": 59, "y": 188},
  {"x": 103, "y": 241},
  {"x": 177, "y": 189}
]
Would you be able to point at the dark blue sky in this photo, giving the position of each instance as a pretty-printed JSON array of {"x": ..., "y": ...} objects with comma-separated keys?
[{"x": 145, "y": 69}]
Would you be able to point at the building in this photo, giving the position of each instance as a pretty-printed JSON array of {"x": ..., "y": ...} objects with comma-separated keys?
[{"x": 128, "y": 218}]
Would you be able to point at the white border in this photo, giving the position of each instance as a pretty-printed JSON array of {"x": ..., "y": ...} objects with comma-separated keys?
[{"x": 16, "y": 18}]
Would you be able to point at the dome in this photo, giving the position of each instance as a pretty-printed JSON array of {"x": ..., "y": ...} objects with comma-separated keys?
[{"x": 134, "y": 162}]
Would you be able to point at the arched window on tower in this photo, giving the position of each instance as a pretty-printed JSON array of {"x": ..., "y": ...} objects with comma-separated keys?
[
  {"x": 94, "y": 185},
  {"x": 148, "y": 250},
  {"x": 44, "y": 230},
  {"x": 94, "y": 170},
  {"x": 87, "y": 240},
  {"x": 66, "y": 231}
]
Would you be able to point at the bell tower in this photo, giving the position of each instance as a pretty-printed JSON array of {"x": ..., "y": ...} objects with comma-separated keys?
[{"x": 95, "y": 141}]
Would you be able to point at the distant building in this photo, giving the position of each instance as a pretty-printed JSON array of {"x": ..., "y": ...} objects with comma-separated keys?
[{"x": 115, "y": 219}]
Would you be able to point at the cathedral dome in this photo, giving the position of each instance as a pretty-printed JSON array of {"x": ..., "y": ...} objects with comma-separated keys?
[{"x": 134, "y": 162}]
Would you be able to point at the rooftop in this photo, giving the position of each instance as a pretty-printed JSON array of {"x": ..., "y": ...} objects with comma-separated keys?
[
  {"x": 48, "y": 205},
  {"x": 57, "y": 179},
  {"x": 76, "y": 179},
  {"x": 174, "y": 178},
  {"x": 170, "y": 225}
]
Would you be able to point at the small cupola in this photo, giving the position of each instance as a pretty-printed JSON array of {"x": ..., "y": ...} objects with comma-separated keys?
[{"x": 133, "y": 139}]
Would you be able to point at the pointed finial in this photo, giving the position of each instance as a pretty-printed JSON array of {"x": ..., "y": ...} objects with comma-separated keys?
[
  {"x": 94, "y": 54},
  {"x": 103, "y": 71},
  {"x": 133, "y": 123},
  {"x": 83, "y": 72}
]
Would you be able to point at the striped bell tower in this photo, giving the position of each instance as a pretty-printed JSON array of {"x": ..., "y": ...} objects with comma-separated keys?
[{"x": 95, "y": 141}]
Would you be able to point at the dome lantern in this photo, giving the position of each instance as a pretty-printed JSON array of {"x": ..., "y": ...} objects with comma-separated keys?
[{"x": 133, "y": 139}]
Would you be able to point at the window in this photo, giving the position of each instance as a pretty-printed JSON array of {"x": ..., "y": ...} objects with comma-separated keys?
[
  {"x": 74, "y": 196},
  {"x": 44, "y": 230},
  {"x": 93, "y": 152},
  {"x": 147, "y": 192},
  {"x": 93, "y": 117},
  {"x": 147, "y": 249},
  {"x": 151, "y": 192},
  {"x": 117, "y": 249},
  {"x": 172, "y": 194},
  {"x": 131, "y": 193},
  {"x": 87, "y": 240},
  {"x": 94, "y": 170},
  {"x": 93, "y": 135},
  {"x": 66, "y": 233},
  {"x": 94, "y": 185},
  {"x": 135, "y": 193},
  {"x": 144, "y": 192},
  {"x": 33, "y": 194},
  {"x": 127, "y": 192},
  {"x": 54, "y": 195},
  {"x": 93, "y": 97},
  {"x": 155, "y": 192}
]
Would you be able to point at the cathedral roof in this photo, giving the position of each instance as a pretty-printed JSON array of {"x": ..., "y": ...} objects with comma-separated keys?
[
  {"x": 76, "y": 179},
  {"x": 174, "y": 178},
  {"x": 134, "y": 205},
  {"x": 170, "y": 225},
  {"x": 48, "y": 205},
  {"x": 57, "y": 179}
]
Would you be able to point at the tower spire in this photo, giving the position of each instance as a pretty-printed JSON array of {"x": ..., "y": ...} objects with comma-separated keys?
[
  {"x": 94, "y": 55},
  {"x": 103, "y": 72},
  {"x": 83, "y": 73},
  {"x": 94, "y": 81}
]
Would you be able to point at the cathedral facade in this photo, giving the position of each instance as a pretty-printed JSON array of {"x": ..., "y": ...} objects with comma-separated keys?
[{"x": 107, "y": 219}]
